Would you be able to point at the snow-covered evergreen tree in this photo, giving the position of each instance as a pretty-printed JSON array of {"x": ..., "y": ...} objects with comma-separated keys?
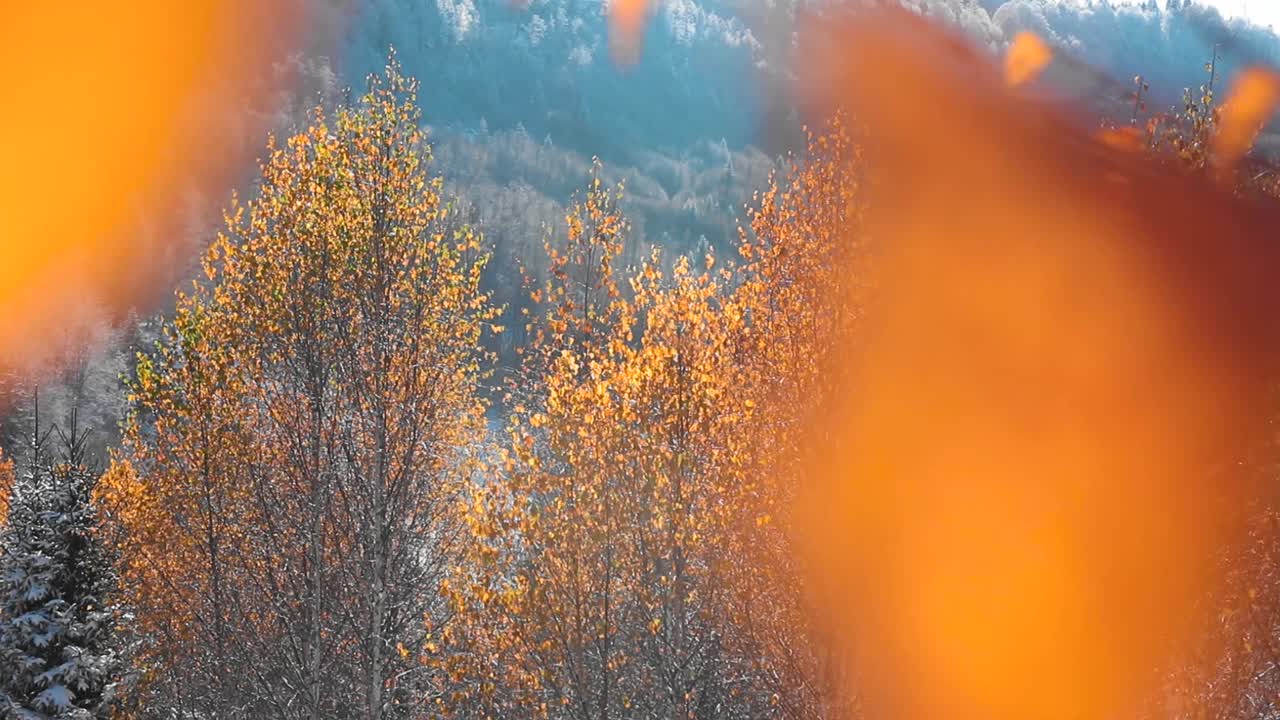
[{"x": 57, "y": 637}]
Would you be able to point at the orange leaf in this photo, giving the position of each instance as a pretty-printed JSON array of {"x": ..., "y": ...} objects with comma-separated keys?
[
  {"x": 1028, "y": 56},
  {"x": 1252, "y": 100}
]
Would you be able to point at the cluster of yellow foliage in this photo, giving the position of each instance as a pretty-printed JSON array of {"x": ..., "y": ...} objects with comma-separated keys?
[
  {"x": 632, "y": 553},
  {"x": 6, "y": 486},
  {"x": 1205, "y": 134},
  {"x": 300, "y": 434}
]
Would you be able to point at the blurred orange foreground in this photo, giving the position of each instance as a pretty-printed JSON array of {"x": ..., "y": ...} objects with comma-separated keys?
[
  {"x": 1023, "y": 489},
  {"x": 111, "y": 107}
]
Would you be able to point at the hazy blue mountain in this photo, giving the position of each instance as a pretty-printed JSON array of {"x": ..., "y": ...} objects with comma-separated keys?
[
  {"x": 521, "y": 95},
  {"x": 488, "y": 64}
]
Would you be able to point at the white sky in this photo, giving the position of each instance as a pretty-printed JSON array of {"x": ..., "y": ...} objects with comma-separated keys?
[{"x": 1262, "y": 12}]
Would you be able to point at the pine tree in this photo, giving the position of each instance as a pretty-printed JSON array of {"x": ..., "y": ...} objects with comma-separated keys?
[{"x": 57, "y": 653}]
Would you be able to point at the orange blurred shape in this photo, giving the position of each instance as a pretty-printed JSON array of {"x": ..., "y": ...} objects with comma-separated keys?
[
  {"x": 627, "y": 20},
  {"x": 110, "y": 106},
  {"x": 1020, "y": 494},
  {"x": 1250, "y": 103},
  {"x": 1127, "y": 139},
  {"x": 1026, "y": 58}
]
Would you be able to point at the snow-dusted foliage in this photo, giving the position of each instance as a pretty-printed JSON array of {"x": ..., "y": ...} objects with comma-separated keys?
[{"x": 57, "y": 625}]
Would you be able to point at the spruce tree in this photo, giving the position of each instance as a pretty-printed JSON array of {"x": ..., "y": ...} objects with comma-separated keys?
[{"x": 57, "y": 642}]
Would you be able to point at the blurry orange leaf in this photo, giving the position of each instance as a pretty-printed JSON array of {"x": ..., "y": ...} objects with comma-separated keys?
[
  {"x": 932, "y": 551},
  {"x": 158, "y": 79},
  {"x": 1252, "y": 100},
  {"x": 626, "y": 29},
  {"x": 1128, "y": 139},
  {"x": 1028, "y": 55}
]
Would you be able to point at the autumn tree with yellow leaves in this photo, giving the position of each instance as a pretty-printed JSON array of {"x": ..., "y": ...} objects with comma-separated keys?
[
  {"x": 631, "y": 553},
  {"x": 286, "y": 496},
  {"x": 590, "y": 587},
  {"x": 543, "y": 595},
  {"x": 804, "y": 278}
]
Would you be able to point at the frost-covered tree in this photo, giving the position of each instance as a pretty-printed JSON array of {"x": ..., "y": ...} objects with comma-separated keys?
[{"x": 57, "y": 625}]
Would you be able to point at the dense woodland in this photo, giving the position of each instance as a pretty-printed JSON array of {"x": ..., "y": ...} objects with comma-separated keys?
[{"x": 331, "y": 500}]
